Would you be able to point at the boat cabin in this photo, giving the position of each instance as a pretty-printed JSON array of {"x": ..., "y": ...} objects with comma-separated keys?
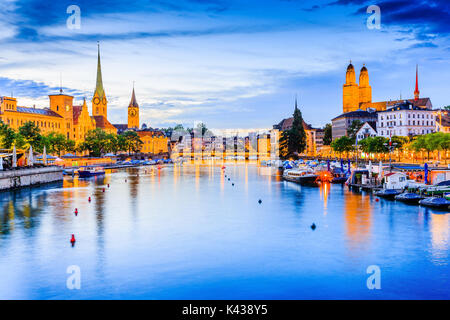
[{"x": 395, "y": 180}]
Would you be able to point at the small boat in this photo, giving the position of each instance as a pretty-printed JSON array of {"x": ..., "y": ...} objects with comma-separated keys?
[
  {"x": 388, "y": 193},
  {"x": 90, "y": 172},
  {"x": 302, "y": 176},
  {"x": 435, "y": 202},
  {"x": 408, "y": 197}
]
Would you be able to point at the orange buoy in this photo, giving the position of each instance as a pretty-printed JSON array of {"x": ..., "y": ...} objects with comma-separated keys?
[{"x": 72, "y": 240}]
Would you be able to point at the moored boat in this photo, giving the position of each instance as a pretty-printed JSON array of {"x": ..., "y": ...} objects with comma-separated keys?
[
  {"x": 90, "y": 172},
  {"x": 302, "y": 176},
  {"x": 388, "y": 193},
  {"x": 408, "y": 197},
  {"x": 435, "y": 202}
]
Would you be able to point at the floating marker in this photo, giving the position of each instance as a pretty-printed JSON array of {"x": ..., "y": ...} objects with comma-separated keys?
[
  {"x": 259, "y": 201},
  {"x": 232, "y": 184},
  {"x": 89, "y": 199},
  {"x": 313, "y": 226},
  {"x": 103, "y": 189},
  {"x": 76, "y": 211},
  {"x": 376, "y": 199},
  {"x": 72, "y": 240},
  {"x": 108, "y": 185}
]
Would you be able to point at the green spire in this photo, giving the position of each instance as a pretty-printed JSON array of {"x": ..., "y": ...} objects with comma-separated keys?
[{"x": 99, "y": 85}]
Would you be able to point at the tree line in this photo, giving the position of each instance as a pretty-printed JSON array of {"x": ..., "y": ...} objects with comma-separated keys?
[{"x": 97, "y": 142}]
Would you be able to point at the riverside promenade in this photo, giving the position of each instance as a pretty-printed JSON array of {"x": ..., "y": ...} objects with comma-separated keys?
[{"x": 25, "y": 177}]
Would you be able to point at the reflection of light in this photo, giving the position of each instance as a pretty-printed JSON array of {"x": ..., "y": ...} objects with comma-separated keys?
[
  {"x": 440, "y": 235},
  {"x": 324, "y": 189},
  {"x": 358, "y": 218}
]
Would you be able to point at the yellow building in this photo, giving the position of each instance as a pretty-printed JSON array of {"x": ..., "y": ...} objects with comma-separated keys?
[
  {"x": 61, "y": 116},
  {"x": 442, "y": 121},
  {"x": 359, "y": 96}
]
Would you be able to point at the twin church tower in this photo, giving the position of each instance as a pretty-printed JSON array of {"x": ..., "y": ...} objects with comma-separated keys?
[{"x": 354, "y": 95}]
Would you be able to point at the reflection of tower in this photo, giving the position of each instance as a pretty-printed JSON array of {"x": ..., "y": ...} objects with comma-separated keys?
[
  {"x": 365, "y": 90},
  {"x": 350, "y": 91}
]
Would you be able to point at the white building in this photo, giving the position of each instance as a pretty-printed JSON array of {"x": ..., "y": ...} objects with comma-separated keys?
[
  {"x": 405, "y": 119},
  {"x": 365, "y": 131}
]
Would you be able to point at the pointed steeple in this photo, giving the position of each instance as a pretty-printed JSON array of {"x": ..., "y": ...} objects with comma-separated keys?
[
  {"x": 416, "y": 91},
  {"x": 133, "y": 102},
  {"x": 296, "y": 106},
  {"x": 99, "y": 85}
]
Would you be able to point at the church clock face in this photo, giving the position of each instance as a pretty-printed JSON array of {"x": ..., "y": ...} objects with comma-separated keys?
[
  {"x": 96, "y": 100},
  {"x": 132, "y": 113}
]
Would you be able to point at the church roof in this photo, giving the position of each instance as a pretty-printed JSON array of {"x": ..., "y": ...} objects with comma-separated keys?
[
  {"x": 286, "y": 124},
  {"x": 133, "y": 102},
  {"x": 103, "y": 123},
  {"x": 421, "y": 102},
  {"x": 357, "y": 114},
  {"x": 99, "y": 84},
  {"x": 44, "y": 112}
]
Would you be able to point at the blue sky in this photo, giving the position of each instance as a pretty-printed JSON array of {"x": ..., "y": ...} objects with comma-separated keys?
[{"x": 229, "y": 63}]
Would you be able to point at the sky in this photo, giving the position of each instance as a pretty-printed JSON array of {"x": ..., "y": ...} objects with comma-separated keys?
[{"x": 227, "y": 63}]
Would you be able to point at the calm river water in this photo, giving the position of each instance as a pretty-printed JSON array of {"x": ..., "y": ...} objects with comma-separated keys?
[{"x": 186, "y": 232}]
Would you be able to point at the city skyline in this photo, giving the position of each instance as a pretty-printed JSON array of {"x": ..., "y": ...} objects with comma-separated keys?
[{"x": 228, "y": 64}]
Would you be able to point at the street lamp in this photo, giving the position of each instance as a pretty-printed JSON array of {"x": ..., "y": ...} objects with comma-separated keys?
[{"x": 391, "y": 146}]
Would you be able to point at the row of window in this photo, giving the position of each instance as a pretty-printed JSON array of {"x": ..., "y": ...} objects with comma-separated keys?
[
  {"x": 394, "y": 116},
  {"x": 41, "y": 124},
  {"x": 410, "y": 123},
  {"x": 410, "y": 132}
]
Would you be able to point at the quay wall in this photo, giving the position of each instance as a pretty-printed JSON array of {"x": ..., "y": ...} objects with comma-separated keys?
[{"x": 29, "y": 177}]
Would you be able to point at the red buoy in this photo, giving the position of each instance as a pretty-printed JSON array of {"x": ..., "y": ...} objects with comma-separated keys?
[
  {"x": 103, "y": 189},
  {"x": 108, "y": 185},
  {"x": 223, "y": 168},
  {"x": 72, "y": 240},
  {"x": 377, "y": 199},
  {"x": 159, "y": 167},
  {"x": 89, "y": 199},
  {"x": 76, "y": 211}
]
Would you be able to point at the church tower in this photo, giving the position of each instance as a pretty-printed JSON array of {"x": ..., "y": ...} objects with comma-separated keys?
[
  {"x": 365, "y": 90},
  {"x": 416, "y": 91},
  {"x": 133, "y": 112},
  {"x": 99, "y": 102},
  {"x": 350, "y": 91}
]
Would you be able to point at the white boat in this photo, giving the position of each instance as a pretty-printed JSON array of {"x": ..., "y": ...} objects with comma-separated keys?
[{"x": 300, "y": 175}]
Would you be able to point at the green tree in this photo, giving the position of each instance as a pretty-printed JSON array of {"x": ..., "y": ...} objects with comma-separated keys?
[
  {"x": 327, "y": 134},
  {"x": 343, "y": 144},
  {"x": 7, "y": 136},
  {"x": 31, "y": 135},
  {"x": 420, "y": 144},
  {"x": 293, "y": 141},
  {"x": 55, "y": 142},
  {"x": 130, "y": 142},
  {"x": 96, "y": 142},
  {"x": 354, "y": 128}
]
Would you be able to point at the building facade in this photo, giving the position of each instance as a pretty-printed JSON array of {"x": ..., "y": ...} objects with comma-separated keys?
[
  {"x": 365, "y": 131},
  {"x": 442, "y": 121},
  {"x": 341, "y": 123},
  {"x": 405, "y": 119}
]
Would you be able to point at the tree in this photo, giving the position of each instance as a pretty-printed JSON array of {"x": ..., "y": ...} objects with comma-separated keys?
[
  {"x": 327, "y": 138},
  {"x": 96, "y": 142},
  {"x": 55, "y": 142},
  {"x": 447, "y": 108},
  {"x": 420, "y": 144},
  {"x": 293, "y": 141},
  {"x": 31, "y": 135},
  {"x": 342, "y": 144},
  {"x": 354, "y": 128},
  {"x": 7, "y": 136},
  {"x": 130, "y": 142}
]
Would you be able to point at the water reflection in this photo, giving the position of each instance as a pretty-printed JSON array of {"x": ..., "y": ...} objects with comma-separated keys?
[{"x": 357, "y": 212}]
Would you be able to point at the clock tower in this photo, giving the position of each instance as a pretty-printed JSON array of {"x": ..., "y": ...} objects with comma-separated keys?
[
  {"x": 99, "y": 102},
  {"x": 133, "y": 113}
]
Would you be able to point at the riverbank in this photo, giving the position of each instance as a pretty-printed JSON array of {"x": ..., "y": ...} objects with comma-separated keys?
[{"x": 26, "y": 177}]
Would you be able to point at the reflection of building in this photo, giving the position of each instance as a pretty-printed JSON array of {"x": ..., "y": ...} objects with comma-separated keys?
[
  {"x": 359, "y": 97},
  {"x": 61, "y": 116},
  {"x": 405, "y": 119},
  {"x": 341, "y": 123}
]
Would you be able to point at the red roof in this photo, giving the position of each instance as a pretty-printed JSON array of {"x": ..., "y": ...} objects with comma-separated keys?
[{"x": 76, "y": 113}]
